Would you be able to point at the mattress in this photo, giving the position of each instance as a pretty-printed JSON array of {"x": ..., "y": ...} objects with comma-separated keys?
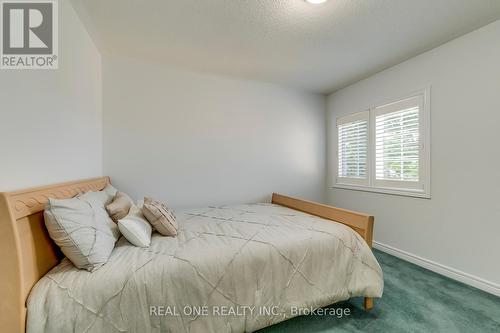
[{"x": 230, "y": 269}]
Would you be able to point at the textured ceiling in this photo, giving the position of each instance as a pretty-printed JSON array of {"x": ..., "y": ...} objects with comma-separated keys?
[{"x": 319, "y": 48}]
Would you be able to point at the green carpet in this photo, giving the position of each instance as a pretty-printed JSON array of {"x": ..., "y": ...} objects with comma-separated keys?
[{"x": 414, "y": 300}]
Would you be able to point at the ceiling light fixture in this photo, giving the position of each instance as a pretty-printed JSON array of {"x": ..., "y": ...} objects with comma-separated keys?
[{"x": 316, "y": 2}]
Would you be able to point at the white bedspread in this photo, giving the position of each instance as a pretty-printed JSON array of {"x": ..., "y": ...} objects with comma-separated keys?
[{"x": 230, "y": 269}]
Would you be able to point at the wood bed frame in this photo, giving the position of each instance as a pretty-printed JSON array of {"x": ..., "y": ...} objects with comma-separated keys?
[{"x": 27, "y": 253}]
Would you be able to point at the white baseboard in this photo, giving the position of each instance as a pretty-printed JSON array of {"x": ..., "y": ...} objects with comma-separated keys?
[{"x": 452, "y": 273}]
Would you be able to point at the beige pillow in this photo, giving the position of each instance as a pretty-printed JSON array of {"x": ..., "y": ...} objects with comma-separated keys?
[
  {"x": 82, "y": 229},
  {"x": 160, "y": 217},
  {"x": 120, "y": 206}
]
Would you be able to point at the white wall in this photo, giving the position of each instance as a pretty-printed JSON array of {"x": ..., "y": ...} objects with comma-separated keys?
[
  {"x": 195, "y": 139},
  {"x": 51, "y": 120},
  {"x": 459, "y": 226}
]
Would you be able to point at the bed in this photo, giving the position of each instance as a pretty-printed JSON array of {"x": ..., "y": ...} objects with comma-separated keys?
[{"x": 230, "y": 269}]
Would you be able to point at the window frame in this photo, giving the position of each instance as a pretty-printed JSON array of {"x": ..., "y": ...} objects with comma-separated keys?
[{"x": 421, "y": 189}]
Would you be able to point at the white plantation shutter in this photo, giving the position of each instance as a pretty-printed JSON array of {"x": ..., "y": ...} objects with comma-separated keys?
[
  {"x": 353, "y": 149},
  {"x": 397, "y": 143},
  {"x": 386, "y": 149}
]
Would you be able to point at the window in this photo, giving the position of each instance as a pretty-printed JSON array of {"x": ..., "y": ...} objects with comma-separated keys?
[
  {"x": 353, "y": 149},
  {"x": 386, "y": 148}
]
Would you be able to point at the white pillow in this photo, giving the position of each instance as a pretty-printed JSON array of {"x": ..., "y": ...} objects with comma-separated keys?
[
  {"x": 135, "y": 228},
  {"x": 81, "y": 227}
]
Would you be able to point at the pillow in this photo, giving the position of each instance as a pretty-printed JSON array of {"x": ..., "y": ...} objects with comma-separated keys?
[
  {"x": 120, "y": 206},
  {"x": 135, "y": 228},
  {"x": 81, "y": 227},
  {"x": 109, "y": 190},
  {"x": 160, "y": 217}
]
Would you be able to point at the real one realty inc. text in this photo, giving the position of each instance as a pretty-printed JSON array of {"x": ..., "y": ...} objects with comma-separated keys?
[{"x": 223, "y": 310}]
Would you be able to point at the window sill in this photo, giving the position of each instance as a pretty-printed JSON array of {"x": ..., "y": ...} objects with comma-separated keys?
[{"x": 383, "y": 190}]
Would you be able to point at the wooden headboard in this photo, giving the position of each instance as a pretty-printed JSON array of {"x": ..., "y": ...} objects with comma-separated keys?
[{"x": 26, "y": 250}]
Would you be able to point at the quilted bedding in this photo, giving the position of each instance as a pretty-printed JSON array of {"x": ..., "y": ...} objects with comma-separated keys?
[{"x": 230, "y": 269}]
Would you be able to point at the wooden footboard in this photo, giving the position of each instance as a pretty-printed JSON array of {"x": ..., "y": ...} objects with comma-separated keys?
[{"x": 361, "y": 223}]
